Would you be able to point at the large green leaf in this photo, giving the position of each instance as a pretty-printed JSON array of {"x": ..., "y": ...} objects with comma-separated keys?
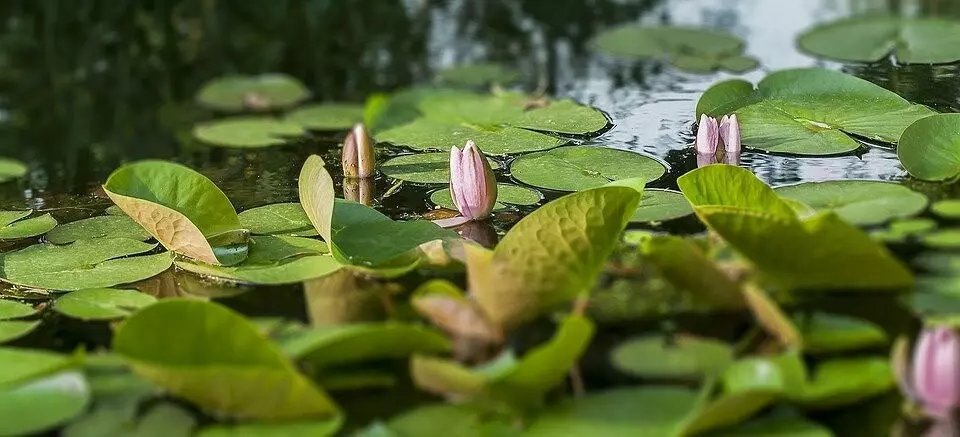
[
  {"x": 217, "y": 359},
  {"x": 729, "y": 185},
  {"x": 930, "y": 148},
  {"x": 859, "y": 202},
  {"x": 181, "y": 208},
  {"x": 266, "y": 91},
  {"x": 812, "y": 111},
  {"x": 358, "y": 342},
  {"x": 278, "y": 219},
  {"x": 113, "y": 226},
  {"x": 693, "y": 49},
  {"x": 97, "y": 263},
  {"x": 102, "y": 303},
  {"x": 273, "y": 260},
  {"x": 872, "y": 38},
  {"x": 577, "y": 168},
  {"x": 551, "y": 255},
  {"x": 40, "y": 404},
  {"x": 15, "y": 225}
]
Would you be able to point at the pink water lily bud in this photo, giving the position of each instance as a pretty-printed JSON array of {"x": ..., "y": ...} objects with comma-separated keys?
[
  {"x": 472, "y": 184},
  {"x": 730, "y": 133},
  {"x": 935, "y": 373},
  {"x": 358, "y": 155},
  {"x": 707, "y": 135}
]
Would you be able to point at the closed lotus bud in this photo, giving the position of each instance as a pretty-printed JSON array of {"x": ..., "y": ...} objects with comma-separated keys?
[
  {"x": 358, "y": 190},
  {"x": 358, "y": 156},
  {"x": 936, "y": 371},
  {"x": 707, "y": 135},
  {"x": 472, "y": 184},
  {"x": 730, "y": 133}
]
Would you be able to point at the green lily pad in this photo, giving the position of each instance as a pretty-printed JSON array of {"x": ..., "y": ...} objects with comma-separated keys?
[
  {"x": 688, "y": 48},
  {"x": 948, "y": 208},
  {"x": 278, "y": 219},
  {"x": 273, "y": 260},
  {"x": 930, "y": 148},
  {"x": 844, "y": 381},
  {"x": 113, "y": 226},
  {"x": 456, "y": 421},
  {"x": 875, "y": 37},
  {"x": 236, "y": 93},
  {"x": 114, "y": 210},
  {"x": 654, "y": 356},
  {"x": 948, "y": 238},
  {"x": 186, "y": 212},
  {"x": 660, "y": 206},
  {"x": 13, "y": 329},
  {"x": 165, "y": 420},
  {"x": 423, "y": 168},
  {"x": 358, "y": 342},
  {"x": 312, "y": 428},
  {"x": 827, "y": 333},
  {"x": 683, "y": 264},
  {"x": 811, "y": 111},
  {"x": 500, "y": 124},
  {"x": 506, "y": 193},
  {"x": 327, "y": 116},
  {"x": 577, "y": 168},
  {"x": 102, "y": 303},
  {"x": 653, "y": 411},
  {"x": 43, "y": 403},
  {"x": 21, "y": 365},
  {"x": 247, "y": 132},
  {"x": 98, "y": 263},
  {"x": 14, "y": 224},
  {"x": 862, "y": 203},
  {"x": 777, "y": 427},
  {"x": 916, "y": 226},
  {"x": 14, "y": 310},
  {"x": 477, "y": 75},
  {"x": 363, "y": 244},
  {"x": 937, "y": 262},
  {"x": 218, "y": 360},
  {"x": 739, "y": 64},
  {"x": 11, "y": 169},
  {"x": 820, "y": 252}
]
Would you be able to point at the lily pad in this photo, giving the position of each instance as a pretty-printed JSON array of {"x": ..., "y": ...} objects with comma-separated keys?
[
  {"x": 312, "y": 428},
  {"x": 477, "y": 75},
  {"x": 577, "y": 168},
  {"x": 826, "y": 333},
  {"x": 327, "y": 116},
  {"x": 688, "y": 48},
  {"x": 844, "y": 381},
  {"x": 811, "y": 111},
  {"x": 660, "y": 206},
  {"x": 948, "y": 238},
  {"x": 655, "y": 356},
  {"x": 43, "y": 403},
  {"x": 14, "y": 310},
  {"x": 113, "y": 226},
  {"x": 947, "y": 208},
  {"x": 217, "y": 359},
  {"x": 97, "y": 263},
  {"x": 916, "y": 226},
  {"x": 358, "y": 342},
  {"x": 247, "y": 132},
  {"x": 266, "y": 91},
  {"x": 861, "y": 203},
  {"x": 273, "y": 260},
  {"x": 500, "y": 124},
  {"x": 779, "y": 426},
  {"x": 875, "y": 37},
  {"x": 278, "y": 219},
  {"x": 11, "y": 169},
  {"x": 683, "y": 264},
  {"x": 13, "y": 329},
  {"x": 186, "y": 212},
  {"x": 930, "y": 148},
  {"x": 456, "y": 421},
  {"x": 14, "y": 224},
  {"x": 423, "y": 168},
  {"x": 102, "y": 303},
  {"x": 506, "y": 193}
]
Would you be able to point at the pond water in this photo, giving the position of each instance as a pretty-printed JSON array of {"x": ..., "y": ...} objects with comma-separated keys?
[{"x": 87, "y": 88}]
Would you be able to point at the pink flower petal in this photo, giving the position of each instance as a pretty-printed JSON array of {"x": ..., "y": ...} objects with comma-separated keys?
[{"x": 451, "y": 222}]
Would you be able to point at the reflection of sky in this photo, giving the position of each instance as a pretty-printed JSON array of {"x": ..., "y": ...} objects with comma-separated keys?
[{"x": 652, "y": 105}]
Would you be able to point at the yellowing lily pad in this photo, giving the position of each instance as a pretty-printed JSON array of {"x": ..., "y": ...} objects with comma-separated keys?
[
  {"x": 247, "y": 132},
  {"x": 263, "y": 92},
  {"x": 577, "y": 168}
]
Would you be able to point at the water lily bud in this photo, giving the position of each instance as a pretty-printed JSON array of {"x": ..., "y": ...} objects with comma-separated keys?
[
  {"x": 472, "y": 184},
  {"x": 358, "y": 156},
  {"x": 936, "y": 371},
  {"x": 730, "y": 133},
  {"x": 707, "y": 135},
  {"x": 705, "y": 159},
  {"x": 358, "y": 190}
]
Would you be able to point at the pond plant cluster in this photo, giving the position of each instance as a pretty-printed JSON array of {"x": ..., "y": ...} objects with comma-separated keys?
[{"x": 441, "y": 302}]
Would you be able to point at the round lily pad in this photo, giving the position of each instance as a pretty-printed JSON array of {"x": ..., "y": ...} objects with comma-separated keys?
[
  {"x": 278, "y": 219},
  {"x": 688, "y": 48},
  {"x": 263, "y": 92},
  {"x": 11, "y": 169},
  {"x": 114, "y": 226},
  {"x": 506, "y": 193},
  {"x": 14, "y": 329},
  {"x": 327, "y": 116},
  {"x": 42, "y": 403},
  {"x": 14, "y": 310},
  {"x": 478, "y": 75},
  {"x": 14, "y": 224},
  {"x": 660, "y": 206},
  {"x": 875, "y": 37},
  {"x": 949, "y": 208},
  {"x": 102, "y": 303},
  {"x": 827, "y": 333},
  {"x": 273, "y": 260},
  {"x": 942, "y": 239},
  {"x": 423, "y": 168},
  {"x": 858, "y": 202},
  {"x": 913, "y": 226},
  {"x": 929, "y": 148},
  {"x": 653, "y": 356},
  {"x": 246, "y": 132},
  {"x": 576, "y": 168}
]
